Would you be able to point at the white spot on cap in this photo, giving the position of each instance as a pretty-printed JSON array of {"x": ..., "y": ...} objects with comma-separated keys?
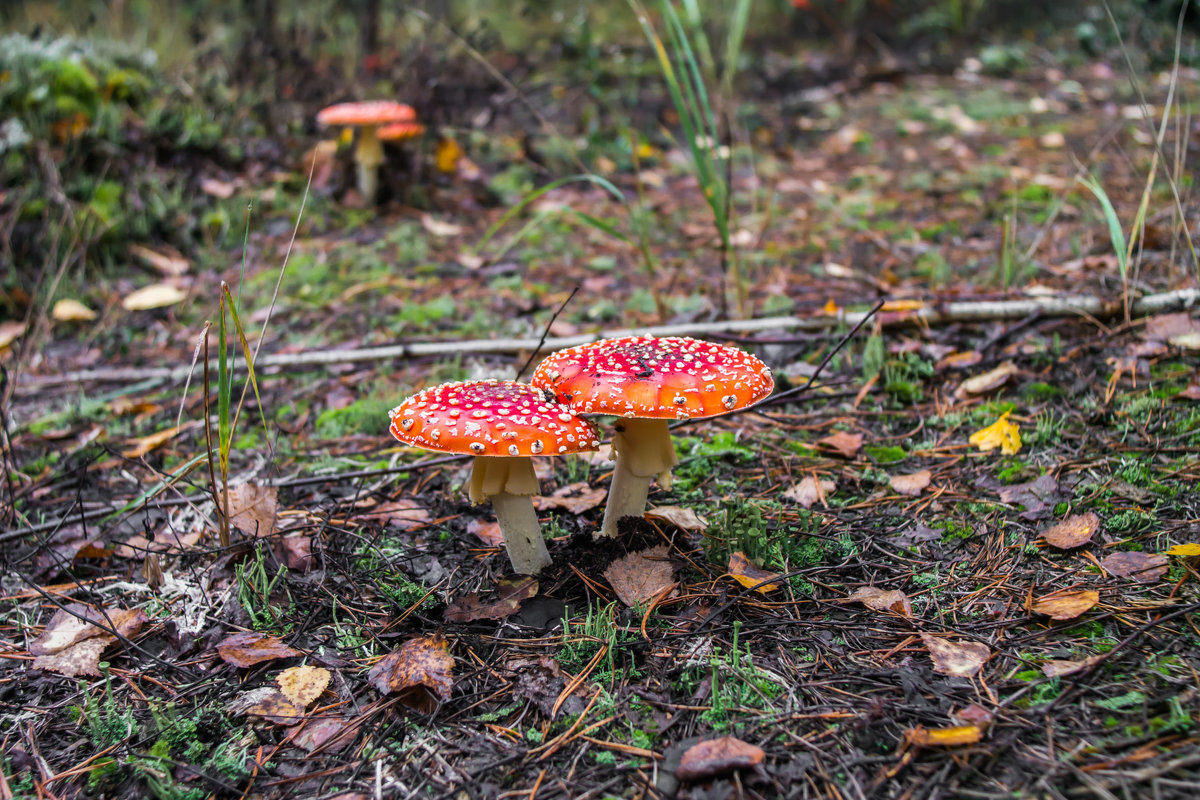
[
  {"x": 513, "y": 450},
  {"x": 536, "y": 447},
  {"x": 407, "y": 423},
  {"x": 729, "y": 401},
  {"x": 477, "y": 447}
]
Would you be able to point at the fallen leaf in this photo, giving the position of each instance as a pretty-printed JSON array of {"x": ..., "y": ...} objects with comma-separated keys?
[
  {"x": 960, "y": 360},
  {"x": 439, "y": 228},
  {"x": 1063, "y": 605},
  {"x": 403, "y": 513},
  {"x": 921, "y": 736},
  {"x": 574, "y": 498},
  {"x": 68, "y": 310},
  {"x": 748, "y": 575},
  {"x": 876, "y": 599},
  {"x": 10, "y": 331},
  {"x": 717, "y": 757},
  {"x": 638, "y": 577},
  {"x": 81, "y": 658},
  {"x": 682, "y": 518},
  {"x": 1038, "y": 497},
  {"x": 1136, "y": 565},
  {"x": 1001, "y": 433},
  {"x": 147, "y": 444},
  {"x": 304, "y": 684},
  {"x": 992, "y": 379},
  {"x": 250, "y": 648},
  {"x": 1178, "y": 329},
  {"x": 276, "y": 708},
  {"x": 912, "y": 484},
  {"x": 167, "y": 261},
  {"x": 487, "y": 532},
  {"x": 960, "y": 659},
  {"x": 1056, "y": 667},
  {"x": 419, "y": 672},
  {"x": 77, "y": 622},
  {"x": 513, "y": 591},
  {"x": 319, "y": 731},
  {"x": 1074, "y": 531},
  {"x": 541, "y": 681},
  {"x": 844, "y": 444},
  {"x": 295, "y": 550},
  {"x": 156, "y": 295},
  {"x": 809, "y": 491},
  {"x": 974, "y": 714},
  {"x": 253, "y": 509},
  {"x": 222, "y": 190},
  {"x": 446, "y": 156},
  {"x": 1189, "y": 550}
]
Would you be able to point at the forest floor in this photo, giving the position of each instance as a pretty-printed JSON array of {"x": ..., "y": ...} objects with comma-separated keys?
[{"x": 942, "y": 619}]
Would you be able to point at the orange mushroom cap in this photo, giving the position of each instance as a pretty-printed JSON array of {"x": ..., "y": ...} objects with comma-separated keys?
[
  {"x": 399, "y": 131},
  {"x": 655, "y": 378},
  {"x": 370, "y": 112},
  {"x": 491, "y": 418}
]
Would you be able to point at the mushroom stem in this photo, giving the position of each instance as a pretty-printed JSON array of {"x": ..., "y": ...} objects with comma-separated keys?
[
  {"x": 642, "y": 449},
  {"x": 368, "y": 155},
  {"x": 510, "y": 483},
  {"x": 522, "y": 534}
]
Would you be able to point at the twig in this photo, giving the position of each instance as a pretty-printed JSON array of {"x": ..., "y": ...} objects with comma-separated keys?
[
  {"x": 931, "y": 314},
  {"x": 546, "y": 332}
]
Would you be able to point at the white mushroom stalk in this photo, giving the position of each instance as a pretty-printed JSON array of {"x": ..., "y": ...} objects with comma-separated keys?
[
  {"x": 368, "y": 156},
  {"x": 503, "y": 424},
  {"x": 642, "y": 451}
]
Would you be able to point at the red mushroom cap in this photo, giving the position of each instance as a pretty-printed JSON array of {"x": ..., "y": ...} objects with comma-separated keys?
[
  {"x": 649, "y": 378},
  {"x": 491, "y": 418},
  {"x": 370, "y": 112},
  {"x": 398, "y": 131}
]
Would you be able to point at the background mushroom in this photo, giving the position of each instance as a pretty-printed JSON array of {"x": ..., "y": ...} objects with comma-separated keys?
[
  {"x": 368, "y": 152},
  {"x": 647, "y": 382},
  {"x": 502, "y": 424}
]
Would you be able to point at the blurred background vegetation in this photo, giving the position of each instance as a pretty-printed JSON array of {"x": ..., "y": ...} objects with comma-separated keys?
[{"x": 111, "y": 114}]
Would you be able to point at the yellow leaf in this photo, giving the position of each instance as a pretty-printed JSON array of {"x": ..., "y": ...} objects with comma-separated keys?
[
  {"x": 68, "y": 310},
  {"x": 1190, "y": 550},
  {"x": 830, "y": 307},
  {"x": 944, "y": 737},
  {"x": 157, "y": 295},
  {"x": 1001, "y": 433},
  {"x": 447, "y": 156}
]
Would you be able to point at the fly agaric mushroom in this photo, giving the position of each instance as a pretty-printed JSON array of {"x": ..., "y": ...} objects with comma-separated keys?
[
  {"x": 647, "y": 381},
  {"x": 501, "y": 424},
  {"x": 400, "y": 131},
  {"x": 368, "y": 153}
]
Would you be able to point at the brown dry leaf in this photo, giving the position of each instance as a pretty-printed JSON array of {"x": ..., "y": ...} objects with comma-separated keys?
[
  {"x": 146, "y": 444},
  {"x": 440, "y": 228},
  {"x": 156, "y": 295},
  {"x": 274, "y": 707},
  {"x": 1064, "y": 605},
  {"x": 81, "y": 658},
  {"x": 992, "y": 379},
  {"x": 844, "y": 444},
  {"x": 10, "y": 331},
  {"x": 304, "y": 684},
  {"x": 513, "y": 591},
  {"x": 253, "y": 509},
  {"x": 419, "y": 672},
  {"x": 960, "y": 360},
  {"x": 960, "y": 659},
  {"x": 1178, "y": 329},
  {"x": 1136, "y": 565},
  {"x": 165, "y": 260},
  {"x": 250, "y": 648},
  {"x": 319, "y": 731},
  {"x": 69, "y": 310},
  {"x": 912, "y": 484},
  {"x": 574, "y": 498},
  {"x": 974, "y": 714},
  {"x": 296, "y": 551},
  {"x": 487, "y": 532},
  {"x": 222, "y": 190},
  {"x": 403, "y": 513},
  {"x": 638, "y": 577},
  {"x": 921, "y": 736},
  {"x": 1057, "y": 667},
  {"x": 1074, "y": 531},
  {"x": 748, "y": 575},
  {"x": 66, "y": 627},
  {"x": 892, "y": 600},
  {"x": 809, "y": 491},
  {"x": 717, "y": 757},
  {"x": 680, "y": 517}
]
